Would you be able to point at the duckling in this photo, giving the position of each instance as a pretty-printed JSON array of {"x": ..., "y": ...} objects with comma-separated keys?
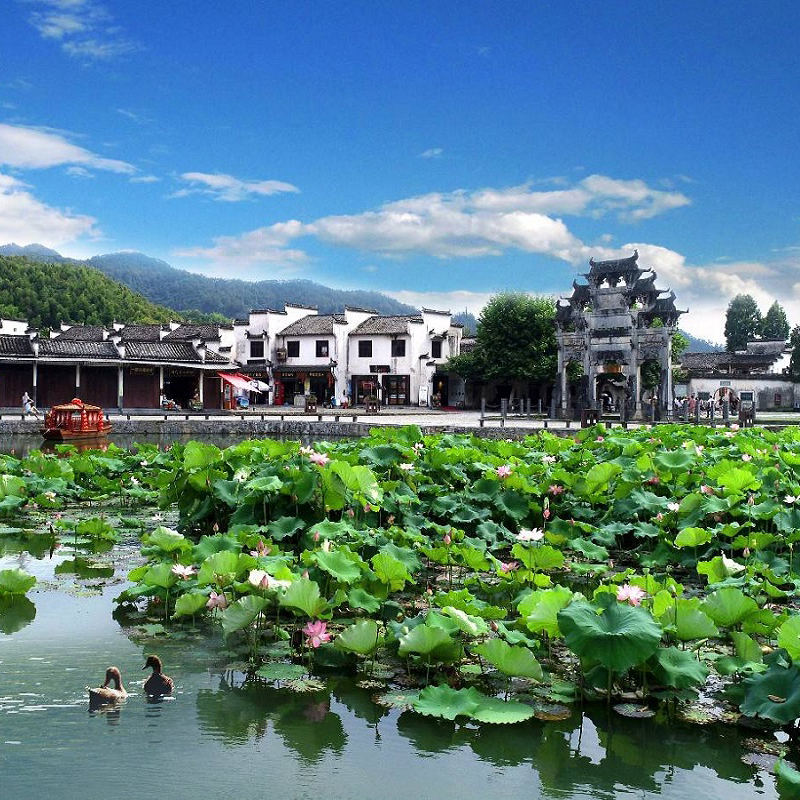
[
  {"x": 103, "y": 695},
  {"x": 157, "y": 684}
]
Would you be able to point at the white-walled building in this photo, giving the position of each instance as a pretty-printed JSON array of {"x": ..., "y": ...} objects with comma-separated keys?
[{"x": 354, "y": 354}]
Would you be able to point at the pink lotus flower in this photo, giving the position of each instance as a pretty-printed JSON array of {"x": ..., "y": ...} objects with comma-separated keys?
[
  {"x": 183, "y": 572},
  {"x": 654, "y": 481},
  {"x": 508, "y": 566},
  {"x": 600, "y": 439},
  {"x": 319, "y": 458},
  {"x": 633, "y": 595},
  {"x": 546, "y": 513},
  {"x": 555, "y": 489},
  {"x": 407, "y": 467},
  {"x": 706, "y": 489},
  {"x": 258, "y": 578},
  {"x": 217, "y": 601},
  {"x": 535, "y": 535},
  {"x": 261, "y": 550},
  {"x": 503, "y": 471},
  {"x": 315, "y": 537},
  {"x": 549, "y": 459},
  {"x": 673, "y": 506},
  {"x": 746, "y": 457},
  {"x": 315, "y": 632},
  {"x": 447, "y": 540}
]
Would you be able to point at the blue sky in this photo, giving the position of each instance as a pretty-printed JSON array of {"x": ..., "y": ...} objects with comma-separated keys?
[{"x": 437, "y": 151}]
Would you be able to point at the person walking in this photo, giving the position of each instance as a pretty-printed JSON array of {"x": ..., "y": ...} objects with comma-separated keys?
[{"x": 28, "y": 407}]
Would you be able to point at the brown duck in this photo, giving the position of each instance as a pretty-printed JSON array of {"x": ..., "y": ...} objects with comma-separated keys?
[
  {"x": 105, "y": 694},
  {"x": 157, "y": 684}
]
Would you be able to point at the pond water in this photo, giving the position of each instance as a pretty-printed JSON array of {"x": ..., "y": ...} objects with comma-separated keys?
[{"x": 223, "y": 737}]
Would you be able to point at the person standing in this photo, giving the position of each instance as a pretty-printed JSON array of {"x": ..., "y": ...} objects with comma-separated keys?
[{"x": 28, "y": 407}]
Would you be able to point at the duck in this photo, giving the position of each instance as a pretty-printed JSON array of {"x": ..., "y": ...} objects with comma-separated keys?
[
  {"x": 105, "y": 694},
  {"x": 157, "y": 684}
]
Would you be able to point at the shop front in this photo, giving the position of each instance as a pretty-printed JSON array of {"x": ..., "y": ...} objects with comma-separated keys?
[
  {"x": 181, "y": 384},
  {"x": 294, "y": 383}
]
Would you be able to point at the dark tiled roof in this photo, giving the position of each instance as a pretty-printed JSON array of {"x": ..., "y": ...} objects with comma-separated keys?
[
  {"x": 314, "y": 325},
  {"x": 15, "y": 346},
  {"x": 84, "y": 333},
  {"x": 769, "y": 347},
  {"x": 77, "y": 348},
  {"x": 161, "y": 351},
  {"x": 141, "y": 333},
  {"x": 468, "y": 343},
  {"x": 187, "y": 332},
  {"x": 723, "y": 362},
  {"x": 216, "y": 358},
  {"x": 387, "y": 325}
]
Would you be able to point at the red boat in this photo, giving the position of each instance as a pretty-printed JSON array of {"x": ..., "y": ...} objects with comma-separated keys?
[{"x": 75, "y": 421}]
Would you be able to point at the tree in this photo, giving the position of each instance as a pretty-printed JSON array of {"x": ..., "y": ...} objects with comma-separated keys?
[
  {"x": 679, "y": 345},
  {"x": 743, "y": 322},
  {"x": 776, "y": 326},
  {"x": 794, "y": 362},
  {"x": 515, "y": 341}
]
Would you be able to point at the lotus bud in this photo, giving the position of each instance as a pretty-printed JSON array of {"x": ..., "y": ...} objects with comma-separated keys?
[{"x": 315, "y": 537}]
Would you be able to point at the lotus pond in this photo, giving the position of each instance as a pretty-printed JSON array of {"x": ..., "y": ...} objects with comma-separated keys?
[{"x": 608, "y": 615}]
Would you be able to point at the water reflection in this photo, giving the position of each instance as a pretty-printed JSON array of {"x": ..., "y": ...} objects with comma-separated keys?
[{"x": 15, "y": 614}]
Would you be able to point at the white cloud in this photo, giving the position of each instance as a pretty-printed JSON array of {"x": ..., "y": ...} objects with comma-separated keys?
[
  {"x": 262, "y": 246},
  {"x": 432, "y": 152},
  {"x": 145, "y": 179},
  {"x": 24, "y": 219},
  {"x": 463, "y": 224},
  {"x": 83, "y": 28},
  {"x": 228, "y": 188},
  {"x": 32, "y": 148}
]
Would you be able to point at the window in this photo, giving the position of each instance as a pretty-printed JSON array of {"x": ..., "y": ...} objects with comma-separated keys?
[
  {"x": 398, "y": 348},
  {"x": 365, "y": 348},
  {"x": 256, "y": 349},
  {"x": 747, "y": 397},
  {"x": 292, "y": 349},
  {"x": 776, "y": 401},
  {"x": 322, "y": 348},
  {"x": 436, "y": 348}
]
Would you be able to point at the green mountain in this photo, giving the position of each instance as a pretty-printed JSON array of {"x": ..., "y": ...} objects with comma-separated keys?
[
  {"x": 48, "y": 294},
  {"x": 232, "y": 298}
]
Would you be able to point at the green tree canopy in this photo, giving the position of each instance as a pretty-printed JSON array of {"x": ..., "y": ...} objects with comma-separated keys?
[
  {"x": 515, "y": 340},
  {"x": 776, "y": 326},
  {"x": 794, "y": 362},
  {"x": 743, "y": 322}
]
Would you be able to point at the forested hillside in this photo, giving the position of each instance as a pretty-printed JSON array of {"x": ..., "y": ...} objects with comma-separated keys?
[
  {"x": 233, "y": 298},
  {"x": 48, "y": 294}
]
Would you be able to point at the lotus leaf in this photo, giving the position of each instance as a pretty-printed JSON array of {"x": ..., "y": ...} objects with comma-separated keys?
[
  {"x": 464, "y": 600},
  {"x": 472, "y": 626},
  {"x": 242, "y": 613},
  {"x": 208, "y": 545},
  {"x": 677, "y": 668},
  {"x": 227, "y": 491},
  {"x": 774, "y": 695},
  {"x": 598, "y": 478},
  {"x": 390, "y": 571},
  {"x": 431, "y": 644},
  {"x": 674, "y": 461},
  {"x": 747, "y": 648},
  {"x": 187, "y": 605},
  {"x": 96, "y": 528},
  {"x": 359, "y": 598},
  {"x": 304, "y": 595},
  {"x": 538, "y": 557},
  {"x": 619, "y": 637},
  {"x": 161, "y": 575},
  {"x": 166, "y": 541},
  {"x": 382, "y": 455},
  {"x": 284, "y": 527},
  {"x": 198, "y": 455},
  {"x": 729, "y": 606},
  {"x": 16, "y": 581},
  {"x": 224, "y": 567},
  {"x": 688, "y": 621},
  {"x": 362, "y": 638},
  {"x": 447, "y": 703},
  {"x": 494, "y": 711},
  {"x": 540, "y": 609},
  {"x": 341, "y": 564},
  {"x": 512, "y": 660},
  {"x": 280, "y": 671},
  {"x": 737, "y": 480},
  {"x": 513, "y": 504},
  {"x": 692, "y": 537},
  {"x": 788, "y": 779},
  {"x": 789, "y": 636}
]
